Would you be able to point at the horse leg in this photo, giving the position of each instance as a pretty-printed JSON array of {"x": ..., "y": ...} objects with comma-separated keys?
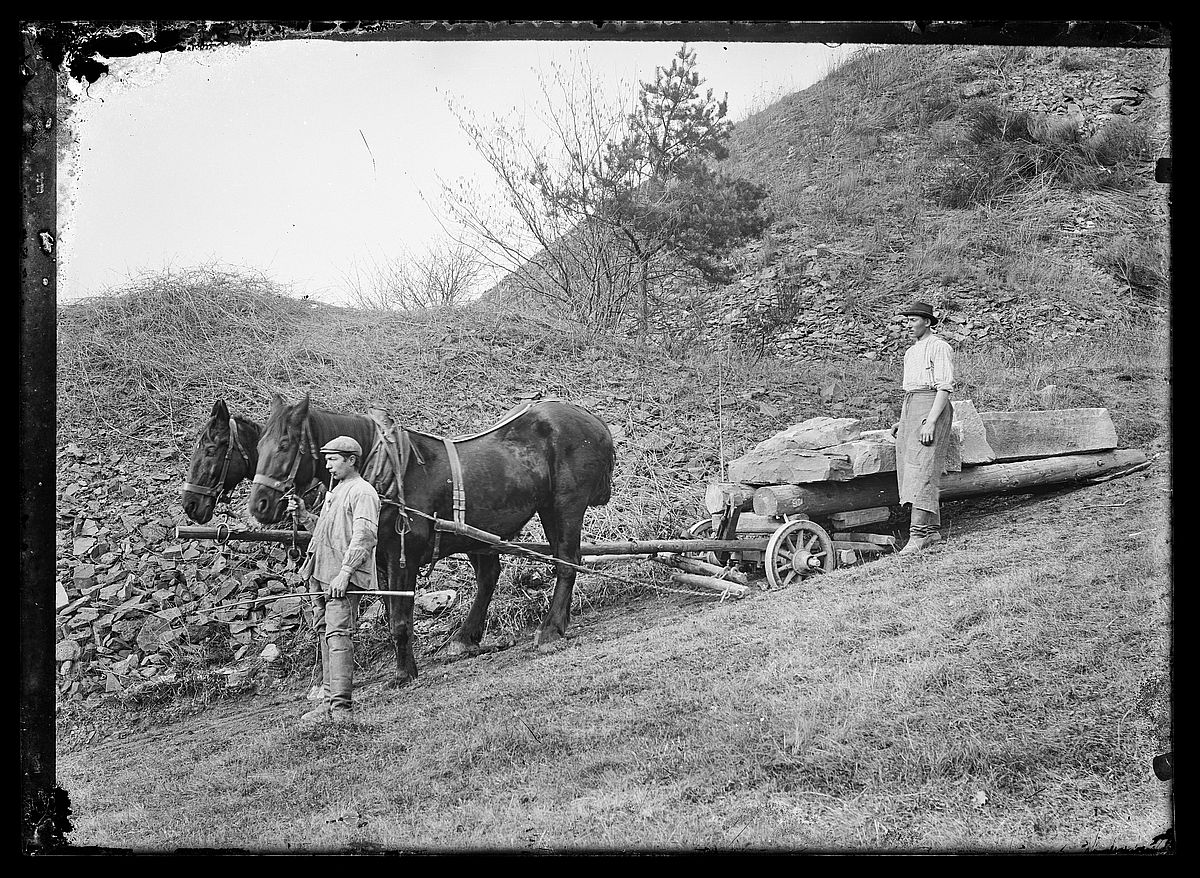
[
  {"x": 468, "y": 637},
  {"x": 563, "y": 529},
  {"x": 400, "y": 614}
]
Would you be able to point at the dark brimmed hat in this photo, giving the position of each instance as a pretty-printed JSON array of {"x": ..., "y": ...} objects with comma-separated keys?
[{"x": 921, "y": 309}]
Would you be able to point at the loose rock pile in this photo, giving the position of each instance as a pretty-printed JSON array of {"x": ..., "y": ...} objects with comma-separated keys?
[{"x": 133, "y": 603}]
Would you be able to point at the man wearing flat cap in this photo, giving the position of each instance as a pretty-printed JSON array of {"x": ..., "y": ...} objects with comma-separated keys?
[
  {"x": 340, "y": 564},
  {"x": 923, "y": 432}
]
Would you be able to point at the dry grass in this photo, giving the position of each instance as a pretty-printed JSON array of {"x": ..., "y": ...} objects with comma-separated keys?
[{"x": 867, "y": 710}]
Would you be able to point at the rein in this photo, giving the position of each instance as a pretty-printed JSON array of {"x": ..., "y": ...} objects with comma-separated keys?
[{"x": 220, "y": 491}]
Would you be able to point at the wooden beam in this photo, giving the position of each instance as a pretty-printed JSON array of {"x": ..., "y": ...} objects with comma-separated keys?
[
  {"x": 857, "y": 546},
  {"x": 754, "y": 523},
  {"x": 778, "y": 500},
  {"x": 859, "y": 517},
  {"x": 1026, "y": 435},
  {"x": 719, "y": 494},
  {"x": 709, "y": 582},
  {"x": 702, "y": 568},
  {"x": 878, "y": 539},
  {"x": 819, "y": 500}
]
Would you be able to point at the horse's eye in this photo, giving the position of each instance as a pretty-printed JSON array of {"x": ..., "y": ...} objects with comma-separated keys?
[
  {"x": 283, "y": 445},
  {"x": 210, "y": 450}
]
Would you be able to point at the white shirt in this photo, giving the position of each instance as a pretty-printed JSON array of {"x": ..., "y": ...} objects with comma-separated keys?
[{"x": 929, "y": 365}]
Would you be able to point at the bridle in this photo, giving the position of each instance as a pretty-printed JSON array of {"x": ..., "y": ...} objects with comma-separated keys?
[
  {"x": 221, "y": 492},
  {"x": 287, "y": 486}
]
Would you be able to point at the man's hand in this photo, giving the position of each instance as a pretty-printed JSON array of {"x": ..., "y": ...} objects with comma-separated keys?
[
  {"x": 337, "y": 588},
  {"x": 295, "y": 504},
  {"x": 895, "y": 428},
  {"x": 926, "y": 433}
]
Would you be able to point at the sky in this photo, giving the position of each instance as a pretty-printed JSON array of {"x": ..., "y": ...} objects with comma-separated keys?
[{"x": 306, "y": 158}]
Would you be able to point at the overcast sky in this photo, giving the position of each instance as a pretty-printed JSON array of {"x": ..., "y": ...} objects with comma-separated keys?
[{"x": 303, "y": 157}]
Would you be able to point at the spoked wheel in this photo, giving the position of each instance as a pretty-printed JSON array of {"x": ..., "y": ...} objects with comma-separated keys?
[
  {"x": 703, "y": 530},
  {"x": 796, "y": 550}
]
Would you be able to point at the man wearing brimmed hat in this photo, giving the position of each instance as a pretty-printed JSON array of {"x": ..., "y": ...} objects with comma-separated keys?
[
  {"x": 340, "y": 563},
  {"x": 923, "y": 432}
]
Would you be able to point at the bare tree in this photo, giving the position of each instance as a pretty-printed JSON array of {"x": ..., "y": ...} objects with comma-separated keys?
[
  {"x": 443, "y": 275},
  {"x": 611, "y": 203},
  {"x": 535, "y": 228}
]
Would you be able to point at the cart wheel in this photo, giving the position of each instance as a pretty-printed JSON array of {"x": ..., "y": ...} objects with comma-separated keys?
[
  {"x": 796, "y": 550},
  {"x": 703, "y": 530}
]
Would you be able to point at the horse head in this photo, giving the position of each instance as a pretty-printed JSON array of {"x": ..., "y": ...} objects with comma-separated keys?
[
  {"x": 286, "y": 460},
  {"x": 224, "y": 454}
]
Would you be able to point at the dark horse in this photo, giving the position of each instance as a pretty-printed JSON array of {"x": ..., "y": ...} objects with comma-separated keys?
[
  {"x": 226, "y": 452},
  {"x": 556, "y": 460}
]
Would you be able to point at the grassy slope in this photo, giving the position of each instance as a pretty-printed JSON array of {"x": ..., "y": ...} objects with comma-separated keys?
[
  {"x": 868, "y": 708},
  {"x": 865, "y": 712}
]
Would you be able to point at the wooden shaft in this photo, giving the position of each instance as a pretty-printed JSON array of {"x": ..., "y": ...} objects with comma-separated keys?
[
  {"x": 190, "y": 532},
  {"x": 638, "y": 547}
]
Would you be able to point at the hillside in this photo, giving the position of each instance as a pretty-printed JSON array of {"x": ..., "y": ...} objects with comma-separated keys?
[
  {"x": 863, "y": 168},
  {"x": 1026, "y": 659}
]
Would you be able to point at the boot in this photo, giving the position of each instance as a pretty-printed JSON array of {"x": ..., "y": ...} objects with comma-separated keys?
[
  {"x": 320, "y": 712},
  {"x": 341, "y": 677},
  {"x": 917, "y": 543}
]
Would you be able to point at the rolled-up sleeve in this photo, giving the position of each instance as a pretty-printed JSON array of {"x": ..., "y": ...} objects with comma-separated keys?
[
  {"x": 365, "y": 530},
  {"x": 941, "y": 366}
]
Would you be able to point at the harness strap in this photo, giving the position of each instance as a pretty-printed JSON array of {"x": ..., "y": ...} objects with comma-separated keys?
[
  {"x": 456, "y": 483},
  {"x": 219, "y": 488},
  {"x": 289, "y": 483}
]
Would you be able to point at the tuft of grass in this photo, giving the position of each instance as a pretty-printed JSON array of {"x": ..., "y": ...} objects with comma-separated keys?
[
  {"x": 1004, "y": 150},
  {"x": 1073, "y": 60},
  {"x": 1138, "y": 264}
]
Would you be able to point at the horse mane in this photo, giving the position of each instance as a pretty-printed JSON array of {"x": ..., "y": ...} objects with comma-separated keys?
[{"x": 329, "y": 424}]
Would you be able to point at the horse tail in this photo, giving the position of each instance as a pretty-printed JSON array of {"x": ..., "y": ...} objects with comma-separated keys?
[{"x": 603, "y": 491}]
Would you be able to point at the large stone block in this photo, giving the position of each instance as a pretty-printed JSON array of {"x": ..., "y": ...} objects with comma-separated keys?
[
  {"x": 975, "y": 447},
  {"x": 775, "y": 467},
  {"x": 1032, "y": 434}
]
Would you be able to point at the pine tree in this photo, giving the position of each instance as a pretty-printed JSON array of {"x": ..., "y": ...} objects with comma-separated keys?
[{"x": 659, "y": 188}]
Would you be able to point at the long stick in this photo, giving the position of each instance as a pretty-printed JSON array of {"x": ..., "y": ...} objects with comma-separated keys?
[{"x": 270, "y": 599}]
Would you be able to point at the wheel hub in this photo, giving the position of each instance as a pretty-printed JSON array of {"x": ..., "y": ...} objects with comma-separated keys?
[{"x": 802, "y": 562}]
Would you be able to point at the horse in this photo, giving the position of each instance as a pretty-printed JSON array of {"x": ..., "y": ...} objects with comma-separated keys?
[
  {"x": 226, "y": 452},
  {"x": 555, "y": 460}
]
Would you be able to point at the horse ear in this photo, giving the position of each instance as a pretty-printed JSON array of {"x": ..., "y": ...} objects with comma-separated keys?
[
  {"x": 276, "y": 403},
  {"x": 220, "y": 410},
  {"x": 300, "y": 412}
]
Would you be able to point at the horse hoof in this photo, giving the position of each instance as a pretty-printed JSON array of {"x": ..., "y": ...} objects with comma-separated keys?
[
  {"x": 458, "y": 649},
  {"x": 544, "y": 638},
  {"x": 402, "y": 679}
]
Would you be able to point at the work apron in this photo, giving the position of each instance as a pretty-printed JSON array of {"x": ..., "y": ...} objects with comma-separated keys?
[{"x": 919, "y": 467}]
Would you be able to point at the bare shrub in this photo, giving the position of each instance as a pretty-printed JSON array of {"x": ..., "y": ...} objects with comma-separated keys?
[{"x": 444, "y": 275}]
